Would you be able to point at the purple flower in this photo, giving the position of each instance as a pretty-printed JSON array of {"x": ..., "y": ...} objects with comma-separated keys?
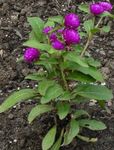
[
  {"x": 31, "y": 54},
  {"x": 72, "y": 20},
  {"x": 106, "y": 6},
  {"x": 60, "y": 30},
  {"x": 96, "y": 9},
  {"x": 71, "y": 36},
  {"x": 47, "y": 29},
  {"x": 53, "y": 37},
  {"x": 58, "y": 45}
]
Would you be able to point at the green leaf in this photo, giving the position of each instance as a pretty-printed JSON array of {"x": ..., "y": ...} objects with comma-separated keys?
[
  {"x": 106, "y": 29},
  {"x": 97, "y": 92},
  {"x": 37, "y": 26},
  {"x": 92, "y": 124},
  {"x": 93, "y": 63},
  {"x": 57, "y": 19},
  {"x": 72, "y": 132},
  {"x": 95, "y": 30},
  {"x": 17, "y": 97},
  {"x": 57, "y": 145},
  {"x": 35, "y": 76},
  {"x": 66, "y": 96},
  {"x": 80, "y": 113},
  {"x": 78, "y": 76},
  {"x": 88, "y": 25},
  {"x": 71, "y": 56},
  {"x": 87, "y": 139},
  {"x": 84, "y": 7},
  {"x": 79, "y": 99},
  {"x": 38, "y": 110},
  {"x": 49, "y": 23},
  {"x": 63, "y": 109},
  {"x": 49, "y": 139},
  {"x": 52, "y": 93},
  {"x": 107, "y": 14},
  {"x": 44, "y": 85},
  {"x": 93, "y": 72},
  {"x": 35, "y": 44}
]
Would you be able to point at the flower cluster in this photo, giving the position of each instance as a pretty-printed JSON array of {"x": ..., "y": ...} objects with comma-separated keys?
[
  {"x": 100, "y": 7},
  {"x": 67, "y": 35}
]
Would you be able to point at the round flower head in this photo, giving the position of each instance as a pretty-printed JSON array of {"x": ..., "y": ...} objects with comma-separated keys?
[
  {"x": 71, "y": 36},
  {"x": 47, "y": 29},
  {"x": 106, "y": 6},
  {"x": 96, "y": 9},
  {"x": 31, "y": 54},
  {"x": 72, "y": 20},
  {"x": 58, "y": 45},
  {"x": 53, "y": 37}
]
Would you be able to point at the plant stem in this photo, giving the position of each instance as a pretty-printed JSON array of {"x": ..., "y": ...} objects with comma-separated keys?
[
  {"x": 90, "y": 37},
  {"x": 63, "y": 77},
  {"x": 86, "y": 46}
]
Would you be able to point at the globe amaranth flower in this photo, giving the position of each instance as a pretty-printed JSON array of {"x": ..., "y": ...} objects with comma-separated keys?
[
  {"x": 71, "y": 36},
  {"x": 72, "y": 20},
  {"x": 58, "y": 45},
  {"x": 53, "y": 37},
  {"x": 96, "y": 9},
  {"x": 106, "y": 6},
  {"x": 47, "y": 29},
  {"x": 31, "y": 54}
]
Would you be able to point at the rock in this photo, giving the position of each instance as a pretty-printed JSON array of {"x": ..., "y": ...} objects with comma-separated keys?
[
  {"x": 10, "y": 116},
  {"x": 112, "y": 65},
  {"x": 112, "y": 43},
  {"x": 105, "y": 71}
]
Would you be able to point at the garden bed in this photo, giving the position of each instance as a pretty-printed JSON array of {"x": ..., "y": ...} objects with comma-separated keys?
[{"x": 15, "y": 132}]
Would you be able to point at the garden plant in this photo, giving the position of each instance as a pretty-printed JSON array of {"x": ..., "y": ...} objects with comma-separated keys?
[{"x": 69, "y": 76}]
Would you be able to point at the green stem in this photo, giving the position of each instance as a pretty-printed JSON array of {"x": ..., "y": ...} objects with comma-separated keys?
[
  {"x": 63, "y": 78},
  {"x": 86, "y": 46},
  {"x": 89, "y": 38}
]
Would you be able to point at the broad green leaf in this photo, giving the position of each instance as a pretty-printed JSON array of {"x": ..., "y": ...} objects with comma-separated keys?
[
  {"x": 38, "y": 110},
  {"x": 35, "y": 44},
  {"x": 51, "y": 93},
  {"x": 17, "y": 97},
  {"x": 78, "y": 48},
  {"x": 97, "y": 92},
  {"x": 87, "y": 139},
  {"x": 84, "y": 7},
  {"x": 63, "y": 109},
  {"x": 57, "y": 19},
  {"x": 49, "y": 139},
  {"x": 93, "y": 72},
  {"x": 95, "y": 30},
  {"x": 80, "y": 113},
  {"x": 72, "y": 132},
  {"x": 66, "y": 96},
  {"x": 21, "y": 58},
  {"x": 92, "y": 124},
  {"x": 44, "y": 85},
  {"x": 107, "y": 14},
  {"x": 71, "y": 56},
  {"x": 79, "y": 99},
  {"x": 37, "y": 26},
  {"x": 78, "y": 76},
  {"x": 93, "y": 62},
  {"x": 32, "y": 36},
  {"x": 45, "y": 65},
  {"x": 49, "y": 23},
  {"x": 88, "y": 25},
  {"x": 35, "y": 76},
  {"x": 57, "y": 144},
  {"x": 106, "y": 29}
]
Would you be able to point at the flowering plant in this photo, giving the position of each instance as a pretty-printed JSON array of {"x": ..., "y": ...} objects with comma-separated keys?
[{"x": 69, "y": 77}]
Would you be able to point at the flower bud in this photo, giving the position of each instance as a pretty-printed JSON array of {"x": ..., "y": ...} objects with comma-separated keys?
[
  {"x": 31, "y": 54},
  {"x": 72, "y": 20},
  {"x": 53, "y": 37},
  {"x": 106, "y": 6},
  {"x": 58, "y": 45},
  {"x": 47, "y": 29},
  {"x": 71, "y": 36},
  {"x": 96, "y": 9}
]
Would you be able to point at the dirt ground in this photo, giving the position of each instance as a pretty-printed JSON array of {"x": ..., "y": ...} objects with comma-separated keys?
[{"x": 15, "y": 132}]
